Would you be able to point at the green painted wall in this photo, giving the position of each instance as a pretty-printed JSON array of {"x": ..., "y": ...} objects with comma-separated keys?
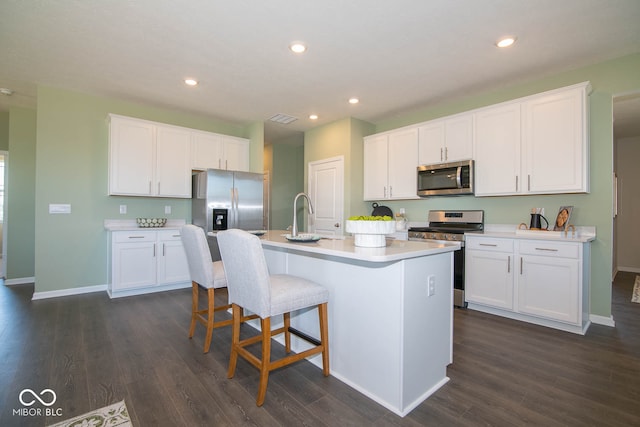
[
  {"x": 4, "y": 130},
  {"x": 71, "y": 167},
  {"x": 594, "y": 209},
  {"x": 341, "y": 138},
  {"x": 287, "y": 172},
  {"x": 21, "y": 184}
]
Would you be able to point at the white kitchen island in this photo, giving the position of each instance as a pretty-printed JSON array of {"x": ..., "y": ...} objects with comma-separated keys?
[{"x": 390, "y": 336}]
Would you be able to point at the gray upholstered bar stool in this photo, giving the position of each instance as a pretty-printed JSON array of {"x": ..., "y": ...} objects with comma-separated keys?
[
  {"x": 206, "y": 274},
  {"x": 252, "y": 288}
]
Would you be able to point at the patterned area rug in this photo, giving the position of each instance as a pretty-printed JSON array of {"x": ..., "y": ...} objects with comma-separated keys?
[
  {"x": 113, "y": 415},
  {"x": 635, "y": 297}
]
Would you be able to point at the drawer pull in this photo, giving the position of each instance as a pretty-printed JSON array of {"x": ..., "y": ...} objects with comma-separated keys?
[
  {"x": 509, "y": 264},
  {"x": 136, "y": 237},
  {"x": 546, "y": 249},
  {"x": 488, "y": 244}
]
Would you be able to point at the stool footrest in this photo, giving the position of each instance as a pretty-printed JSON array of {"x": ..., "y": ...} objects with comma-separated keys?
[{"x": 304, "y": 336}]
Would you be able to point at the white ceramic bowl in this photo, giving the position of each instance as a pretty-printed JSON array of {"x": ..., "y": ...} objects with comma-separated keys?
[{"x": 151, "y": 222}]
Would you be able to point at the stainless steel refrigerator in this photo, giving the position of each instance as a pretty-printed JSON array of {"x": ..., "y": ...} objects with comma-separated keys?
[{"x": 227, "y": 199}]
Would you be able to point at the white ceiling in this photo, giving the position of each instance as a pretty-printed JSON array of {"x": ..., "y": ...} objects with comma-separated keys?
[{"x": 395, "y": 56}]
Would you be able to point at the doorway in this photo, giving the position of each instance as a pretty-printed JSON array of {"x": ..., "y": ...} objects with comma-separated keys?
[
  {"x": 626, "y": 157},
  {"x": 4, "y": 156},
  {"x": 326, "y": 190}
]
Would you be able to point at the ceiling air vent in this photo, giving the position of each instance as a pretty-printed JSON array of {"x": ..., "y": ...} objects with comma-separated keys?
[{"x": 283, "y": 119}]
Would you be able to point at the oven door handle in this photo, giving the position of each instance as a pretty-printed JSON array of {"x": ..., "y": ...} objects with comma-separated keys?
[{"x": 459, "y": 177}]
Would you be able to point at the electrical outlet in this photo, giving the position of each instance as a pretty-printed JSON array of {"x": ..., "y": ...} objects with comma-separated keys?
[
  {"x": 431, "y": 286},
  {"x": 123, "y": 209},
  {"x": 167, "y": 210}
]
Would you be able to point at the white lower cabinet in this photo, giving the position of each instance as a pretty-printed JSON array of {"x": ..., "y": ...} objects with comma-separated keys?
[
  {"x": 493, "y": 262},
  {"x": 147, "y": 261},
  {"x": 539, "y": 281}
]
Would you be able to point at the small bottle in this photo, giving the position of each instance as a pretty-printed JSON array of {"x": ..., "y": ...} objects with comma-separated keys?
[{"x": 401, "y": 221}]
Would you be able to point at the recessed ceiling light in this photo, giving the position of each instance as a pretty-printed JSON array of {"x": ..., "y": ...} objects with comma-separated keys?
[
  {"x": 298, "y": 47},
  {"x": 506, "y": 41},
  {"x": 191, "y": 82},
  {"x": 353, "y": 100},
  {"x": 313, "y": 117}
]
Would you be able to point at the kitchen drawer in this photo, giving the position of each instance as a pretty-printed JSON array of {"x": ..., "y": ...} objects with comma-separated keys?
[
  {"x": 169, "y": 235},
  {"x": 489, "y": 244},
  {"x": 545, "y": 248},
  {"x": 134, "y": 236}
]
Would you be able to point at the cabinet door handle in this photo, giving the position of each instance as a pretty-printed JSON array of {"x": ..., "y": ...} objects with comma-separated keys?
[
  {"x": 154, "y": 250},
  {"x": 528, "y": 182},
  {"x": 446, "y": 153},
  {"x": 509, "y": 264},
  {"x": 521, "y": 266},
  {"x": 488, "y": 244},
  {"x": 546, "y": 249},
  {"x": 158, "y": 187},
  {"x": 384, "y": 191},
  {"x": 136, "y": 237},
  {"x": 149, "y": 187},
  {"x": 226, "y": 164},
  {"x": 390, "y": 191},
  {"x": 441, "y": 158},
  {"x": 516, "y": 182},
  {"x": 164, "y": 249}
]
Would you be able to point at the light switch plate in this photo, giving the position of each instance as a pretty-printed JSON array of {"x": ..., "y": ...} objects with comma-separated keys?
[
  {"x": 123, "y": 209},
  {"x": 167, "y": 210},
  {"x": 59, "y": 208}
]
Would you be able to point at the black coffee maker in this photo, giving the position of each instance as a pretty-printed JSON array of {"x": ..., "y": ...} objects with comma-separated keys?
[{"x": 536, "y": 220}]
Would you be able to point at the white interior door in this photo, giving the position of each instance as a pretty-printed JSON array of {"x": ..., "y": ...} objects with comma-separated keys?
[{"x": 326, "y": 190}]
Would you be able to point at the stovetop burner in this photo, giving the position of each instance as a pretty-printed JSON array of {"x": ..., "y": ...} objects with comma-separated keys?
[{"x": 449, "y": 225}]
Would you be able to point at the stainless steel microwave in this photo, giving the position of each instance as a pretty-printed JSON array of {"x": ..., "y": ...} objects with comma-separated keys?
[{"x": 446, "y": 179}]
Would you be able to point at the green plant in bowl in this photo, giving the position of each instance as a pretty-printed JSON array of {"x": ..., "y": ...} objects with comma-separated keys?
[{"x": 370, "y": 218}]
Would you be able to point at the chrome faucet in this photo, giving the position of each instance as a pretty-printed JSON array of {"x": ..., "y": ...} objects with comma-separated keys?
[{"x": 294, "y": 228}]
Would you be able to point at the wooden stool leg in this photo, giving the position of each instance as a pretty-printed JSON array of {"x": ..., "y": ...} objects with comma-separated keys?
[
  {"x": 324, "y": 337},
  {"x": 194, "y": 308},
  {"x": 210, "y": 311},
  {"x": 265, "y": 364},
  {"x": 287, "y": 334},
  {"x": 235, "y": 340}
]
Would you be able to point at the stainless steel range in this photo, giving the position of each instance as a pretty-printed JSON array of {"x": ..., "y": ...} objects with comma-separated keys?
[{"x": 451, "y": 226}]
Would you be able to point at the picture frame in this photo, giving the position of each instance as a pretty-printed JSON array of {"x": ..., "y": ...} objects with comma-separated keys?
[{"x": 562, "y": 219}]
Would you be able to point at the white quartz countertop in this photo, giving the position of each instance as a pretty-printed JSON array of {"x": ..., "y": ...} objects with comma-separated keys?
[
  {"x": 344, "y": 247},
  {"x": 132, "y": 225},
  {"x": 507, "y": 231}
]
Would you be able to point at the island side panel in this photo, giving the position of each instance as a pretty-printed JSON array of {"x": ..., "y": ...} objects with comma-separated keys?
[
  {"x": 365, "y": 320},
  {"x": 428, "y": 327},
  {"x": 388, "y": 338}
]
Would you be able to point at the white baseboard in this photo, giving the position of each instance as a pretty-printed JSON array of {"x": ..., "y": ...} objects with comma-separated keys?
[
  {"x": 628, "y": 269},
  {"x": 20, "y": 281},
  {"x": 67, "y": 292},
  {"x": 602, "y": 320}
]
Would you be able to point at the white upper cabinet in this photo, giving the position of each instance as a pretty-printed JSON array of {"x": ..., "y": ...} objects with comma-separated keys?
[
  {"x": 155, "y": 160},
  {"x": 446, "y": 140},
  {"x": 146, "y": 159},
  {"x": 173, "y": 160},
  {"x": 390, "y": 163},
  {"x": 215, "y": 151},
  {"x": 497, "y": 150},
  {"x": 536, "y": 145},
  {"x": 206, "y": 151},
  {"x": 235, "y": 153},
  {"x": 554, "y": 135}
]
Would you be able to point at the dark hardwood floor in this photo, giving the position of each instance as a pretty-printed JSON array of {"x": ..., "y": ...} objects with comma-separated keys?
[{"x": 93, "y": 351}]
